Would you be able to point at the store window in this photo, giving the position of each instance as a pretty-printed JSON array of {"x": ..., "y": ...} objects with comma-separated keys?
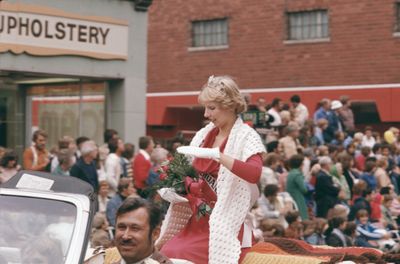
[
  {"x": 210, "y": 33},
  {"x": 11, "y": 117},
  {"x": 308, "y": 25},
  {"x": 75, "y": 109}
]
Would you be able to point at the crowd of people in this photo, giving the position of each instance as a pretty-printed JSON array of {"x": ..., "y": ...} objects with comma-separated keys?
[{"x": 322, "y": 181}]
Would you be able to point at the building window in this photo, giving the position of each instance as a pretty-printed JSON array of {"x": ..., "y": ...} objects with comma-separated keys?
[
  {"x": 306, "y": 25},
  {"x": 209, "y": 33}
]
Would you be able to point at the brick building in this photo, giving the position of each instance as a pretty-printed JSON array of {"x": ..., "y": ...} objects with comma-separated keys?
[{"x": 274, "y": 48}]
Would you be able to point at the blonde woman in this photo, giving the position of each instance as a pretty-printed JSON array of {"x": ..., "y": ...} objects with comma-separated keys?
[{"x": 229, "y": 162}]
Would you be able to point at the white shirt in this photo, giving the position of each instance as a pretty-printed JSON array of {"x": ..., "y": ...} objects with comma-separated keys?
[
  {"x": 301, "y": 113},
  {"x": 144, "y": 153},
  {"x": 113, "y": 172},
  {"x": 368, "y": 142},
  {"x": 277, "y": 117}
]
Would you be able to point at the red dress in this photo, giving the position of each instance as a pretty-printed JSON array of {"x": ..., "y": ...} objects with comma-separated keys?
[{"x": 192, "y": 242}]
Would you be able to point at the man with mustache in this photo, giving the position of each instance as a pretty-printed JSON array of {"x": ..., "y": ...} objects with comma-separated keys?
[{"x": 137, "y": 228}]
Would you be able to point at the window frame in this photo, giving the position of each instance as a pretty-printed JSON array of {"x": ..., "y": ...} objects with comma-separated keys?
[
  {"x": 311, "y": 27},
  {"x": 213, "y": 34}
]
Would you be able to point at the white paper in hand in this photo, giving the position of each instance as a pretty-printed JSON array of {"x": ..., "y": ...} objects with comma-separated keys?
[
  {"x": 211, "y": 153},
  {"x": 169, "y": 194}
]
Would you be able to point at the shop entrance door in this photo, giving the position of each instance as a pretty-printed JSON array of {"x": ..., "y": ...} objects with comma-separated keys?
[{"x": 3, "y": 121}]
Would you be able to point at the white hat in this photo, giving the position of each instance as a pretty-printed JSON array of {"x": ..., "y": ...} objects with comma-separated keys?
[{"x": 336, "y": 104}]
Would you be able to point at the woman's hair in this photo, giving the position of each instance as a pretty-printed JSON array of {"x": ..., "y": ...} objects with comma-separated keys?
[
  {"x": 359, "y": 187},
  {"x": 271, "y": 158},
  {"x": 350, "y": 229},
  {"x": 65, "y": 156},
  {"x": 225, "y": 92},
  {"x": 382, "y": 162},
  {"x": 159, "y": 155},
  {"x": 292, "y": 217},
  {"x": 7, "y": 157}
]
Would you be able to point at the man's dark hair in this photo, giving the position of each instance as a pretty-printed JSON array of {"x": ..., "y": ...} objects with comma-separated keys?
[
  {"x": 113, "y": 145},
  {"x": 336, "y": 221},
  {"x": 376, "y": 147},
  {"x": 292, "y": 216},
  {"x": 80, "y": 140},
  {"x": 271, "y": 190},
  {"x": 9, "y": 156},
  {"x": 129, "y": 151},
  {"x": 366, "y": 192},
  {"x": 295, "y": 99},
  {"x": 144, "y": 142},
  {"x": 369, "y": 165},
  {"x": 272, "y": 146},
  {"x": 275, "y": 102},
  {"x": 132, "y": 204},
  {"x": 123, "y": 184},
  {"x": 385, "y": 190},
  {"x": 295, "y": 161},
  {"x": 38, "y": 133},
  {"x": 109, "y": 134}
]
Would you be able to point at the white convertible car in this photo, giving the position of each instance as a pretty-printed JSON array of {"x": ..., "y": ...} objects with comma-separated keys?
[{"x": 45, "y": 219}]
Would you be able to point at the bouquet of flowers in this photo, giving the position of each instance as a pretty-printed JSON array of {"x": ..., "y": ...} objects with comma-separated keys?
[{"x": 178, "y": 175}]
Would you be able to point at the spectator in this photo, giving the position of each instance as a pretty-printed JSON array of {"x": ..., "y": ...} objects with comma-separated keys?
[
  {"x": 268, "y": 174},
  {"x": 388, "y": 220},
  {"x": 65, "y": 160},
  {"x": 368, "y": 139},
  {"x": 361, "y": 158},
  {"x": 295, "y": 227},
  {"x": 300, "y": 110},
  {"x": 326, "y": 192},
  {"x": 295, "y": 185},
  {"x": 350, "y": 175},
  {"x": 8, "y": 166},
  {"x": 315, "y": 235},
  {"x": 368, "y": 174},
  {"x": 68, "y": 143},
  {"x": 335, "y": 236},
  {"x": 361, "y": 203},
  {"x": 346, "y": 114},
  {"x": 290, "y": 145},
  {"x": 276, "y": 107},
  {"x": 158, "y": 156},
  {"x": 321, "y": 132},
  {"x": 37, "y": 157},
  {"x": 125, "y": 190},
  {"x": 339, "y": 180},
  {"x": 391, "y": 135},
  {"x": 85, "y": 167},
  {"x": 103, "y": 196},
  {"x": 367, "y": 233},
  {"x": 79, "y": 142},
  {"x": 382, "y": 177},
  {"x": 126, "y": 160},
  {"x": 333, "y": 119},
  {"x": 142, "y": 163},
  {"x": 99, "y": 236},
  {"x": 271, "y": 205},
  {"x": 323, "y": 111},
  {"x": 108, "y": 135},
  {"x": 113, "y": 163},
  {"x": 101, "y": 162}
]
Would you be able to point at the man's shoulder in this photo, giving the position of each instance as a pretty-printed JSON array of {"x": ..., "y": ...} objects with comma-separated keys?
[{"x": 161, "y": 258}]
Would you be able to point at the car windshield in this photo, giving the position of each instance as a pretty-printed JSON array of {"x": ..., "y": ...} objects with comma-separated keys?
[{"x": 35, "y": 230}]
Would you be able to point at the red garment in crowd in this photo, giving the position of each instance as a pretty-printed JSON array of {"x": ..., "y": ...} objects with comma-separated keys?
[
  {"x": 376, "y": 213},
  {"x": 360, "y": 162},
  {"x": 141, "y": 170},
  {"x": 192, "y": 242}
]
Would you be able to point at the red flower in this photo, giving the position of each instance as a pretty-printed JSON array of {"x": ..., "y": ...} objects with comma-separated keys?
[
  {"x": 164, "y": 168},
  {"x": 163, "y": 176}
]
